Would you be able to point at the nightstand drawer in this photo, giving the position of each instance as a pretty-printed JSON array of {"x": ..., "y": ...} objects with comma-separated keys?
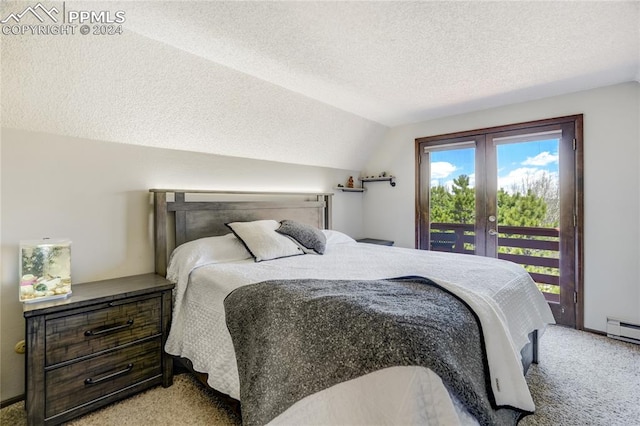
[
  {"x": 81, "y": 382},
  {"x": 74, "y": 335}
]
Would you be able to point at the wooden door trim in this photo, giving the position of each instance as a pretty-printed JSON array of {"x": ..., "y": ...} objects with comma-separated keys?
[
  {"x": 421, "y": 200},
  {"x": 578, "y": 251},
  {"x": 502, "y": 128},
  {"x": 578, "y": 121}
]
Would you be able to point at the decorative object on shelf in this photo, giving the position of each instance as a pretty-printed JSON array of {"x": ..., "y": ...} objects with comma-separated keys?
[
  {"x": 45, "y": 269},
  {"x": 350, "y": 182}
]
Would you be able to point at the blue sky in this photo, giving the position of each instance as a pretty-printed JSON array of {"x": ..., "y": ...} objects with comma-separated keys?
[{"x": 517, "y": 162}]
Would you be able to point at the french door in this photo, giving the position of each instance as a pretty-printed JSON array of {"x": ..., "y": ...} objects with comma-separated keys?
[{"x": 512, "y": 192}]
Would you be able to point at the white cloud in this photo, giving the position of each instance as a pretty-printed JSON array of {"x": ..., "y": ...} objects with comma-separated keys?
[
  {"x": 441, "y": 169},
  {"x": 541, "y": 159},
  {"x": 522, "y": 176}
]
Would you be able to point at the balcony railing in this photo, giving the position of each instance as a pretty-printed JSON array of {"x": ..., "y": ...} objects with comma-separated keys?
[{"x": 537, "y": 249}]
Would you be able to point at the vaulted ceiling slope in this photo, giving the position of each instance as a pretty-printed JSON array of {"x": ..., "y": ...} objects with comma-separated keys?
[
  {"x": 402, "y": 62},
  {"x": 315, "y": 83}
]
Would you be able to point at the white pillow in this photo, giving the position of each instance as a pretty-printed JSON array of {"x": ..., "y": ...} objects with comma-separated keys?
[
  {"x": 337, "y": 237},
  {"x": 262, "y": 240},
  {"x": 204, "y": 251}
]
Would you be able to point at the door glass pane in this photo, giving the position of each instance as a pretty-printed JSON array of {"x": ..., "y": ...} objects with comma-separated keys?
[
  {"x": 452, "y": 200},
  {"x": 529, "y": 208}
]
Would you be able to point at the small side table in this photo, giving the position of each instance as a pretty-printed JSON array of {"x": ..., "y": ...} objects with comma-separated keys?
[
  {"x": 102, "y": 344},
  {"x": 376, "y": 241}
]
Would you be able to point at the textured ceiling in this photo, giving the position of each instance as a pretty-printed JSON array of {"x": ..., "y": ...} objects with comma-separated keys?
[
  {"x": 315, "y": 83},
  {"x": 401, "y": 62}
]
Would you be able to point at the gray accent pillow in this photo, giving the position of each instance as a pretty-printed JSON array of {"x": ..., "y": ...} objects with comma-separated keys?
[{"x": 309, "y": 237}]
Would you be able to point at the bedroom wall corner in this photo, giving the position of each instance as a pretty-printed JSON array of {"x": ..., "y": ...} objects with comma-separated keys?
[{"x": 96, "y": 194}]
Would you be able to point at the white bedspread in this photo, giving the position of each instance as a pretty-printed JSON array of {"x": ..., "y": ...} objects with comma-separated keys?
[{"x": 501, "y": 293}]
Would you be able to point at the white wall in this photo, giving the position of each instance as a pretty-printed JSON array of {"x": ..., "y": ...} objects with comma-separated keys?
[
  {"x": 96, "y": 194},
  {"x": 611, "y": 181}
]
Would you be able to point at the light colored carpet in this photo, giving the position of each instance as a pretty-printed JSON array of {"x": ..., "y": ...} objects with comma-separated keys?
[
  {"x": 186, "y": 402},
  {"x": 582, "y": 379}
]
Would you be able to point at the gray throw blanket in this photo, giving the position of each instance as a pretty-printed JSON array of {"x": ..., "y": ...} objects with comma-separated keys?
[{"x": 293, "y": 338}]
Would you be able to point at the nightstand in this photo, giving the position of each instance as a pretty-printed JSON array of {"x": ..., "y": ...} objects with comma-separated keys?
[
  {"x": 102, "y": 344},
  {"x": 375, "y": 241}
]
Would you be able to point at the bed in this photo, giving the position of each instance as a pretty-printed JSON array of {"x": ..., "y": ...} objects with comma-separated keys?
[{"x": 224, "y": 296}]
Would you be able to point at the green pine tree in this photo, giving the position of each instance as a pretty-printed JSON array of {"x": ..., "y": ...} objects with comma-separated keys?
[
  {"x": 464, "y": 200},
  {"x": 441, "y": 201}
]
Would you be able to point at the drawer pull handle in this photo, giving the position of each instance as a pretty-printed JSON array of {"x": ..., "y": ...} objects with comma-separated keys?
[
  {"x": 100, "y": 331},
  {"x": 91, "y": 381}
]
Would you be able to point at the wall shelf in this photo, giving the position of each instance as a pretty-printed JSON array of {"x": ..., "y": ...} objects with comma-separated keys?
[
  {"x": 390, "y": 179},
  {"x": 345, "y": 189}
]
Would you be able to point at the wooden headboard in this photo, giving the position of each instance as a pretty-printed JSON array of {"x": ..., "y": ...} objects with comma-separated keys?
[{"x": 186, "y": 215}]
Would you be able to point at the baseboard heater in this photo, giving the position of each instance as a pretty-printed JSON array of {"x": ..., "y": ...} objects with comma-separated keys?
[{"x": 623, "y": 330}]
